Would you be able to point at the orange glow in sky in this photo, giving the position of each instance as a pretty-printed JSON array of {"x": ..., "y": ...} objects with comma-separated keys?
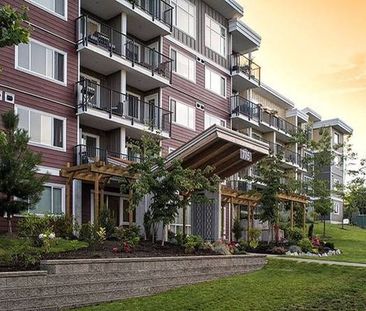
[{"x": 314, "y": 52}]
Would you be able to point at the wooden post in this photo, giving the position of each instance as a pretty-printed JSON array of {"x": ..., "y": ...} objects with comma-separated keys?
[
  {"x": 249, "y": 220},
  {"x": 130, "y": 212},
  {"x": 231, "y": 219},
  {"x": 304, "y": 219},
  {"x": 96, "y": 199},
  {"x": 68, "y": 197},
  {"x": 292, "y": 215}
]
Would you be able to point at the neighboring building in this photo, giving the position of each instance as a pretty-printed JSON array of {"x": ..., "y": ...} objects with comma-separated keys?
[{"x": 95, "y": 77}]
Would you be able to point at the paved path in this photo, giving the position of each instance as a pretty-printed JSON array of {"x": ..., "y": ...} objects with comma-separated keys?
[{"x": 324, "y": 262}]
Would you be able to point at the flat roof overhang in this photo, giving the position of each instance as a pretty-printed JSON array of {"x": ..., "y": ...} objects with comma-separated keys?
[
  {"x": 226, "y": 150},
  {"x": 245, "y": 40},
  {"x": 228, "y": 8}
]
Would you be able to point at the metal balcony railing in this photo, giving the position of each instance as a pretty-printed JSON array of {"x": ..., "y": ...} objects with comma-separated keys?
[
  {"x": 93, "y": 95},
  {"x": 117, "y": 43},
  {"x": 241, "y": 105},
  {"x": 90, "y": 154},
  {"x": 277, "y": 122},
  {"x": 288, "y": 155},
  {"x": 157, "y": 9},
  {"x": 238, "y": 185},
  {"x": 244, "y": 65}
]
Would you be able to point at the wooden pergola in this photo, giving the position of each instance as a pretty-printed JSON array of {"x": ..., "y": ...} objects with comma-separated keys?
[
  {"x": 251, "y": 200},
  {"x": 98, "y": 173}
]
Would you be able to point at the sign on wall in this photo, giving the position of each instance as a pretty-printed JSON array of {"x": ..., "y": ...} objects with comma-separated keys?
[{"x": 246, "y": 155}]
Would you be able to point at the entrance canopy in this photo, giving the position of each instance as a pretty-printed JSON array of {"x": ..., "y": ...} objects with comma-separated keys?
[{"x": 226, "y": 150}]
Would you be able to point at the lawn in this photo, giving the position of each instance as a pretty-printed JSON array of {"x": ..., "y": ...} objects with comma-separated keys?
[
  {"x": 281, "y": 285},
  {"x": 351, "y": 240}
]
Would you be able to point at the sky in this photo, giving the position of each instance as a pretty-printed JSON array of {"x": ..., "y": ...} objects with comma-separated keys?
[{"x": 314, "y": 53}]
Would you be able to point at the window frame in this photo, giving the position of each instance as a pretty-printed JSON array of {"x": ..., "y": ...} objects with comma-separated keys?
[
  {"x": 38, "y": 144},
  {"x": 174, "y": 4},
  {"x": 190, "y": 58},
  {"x": 335, "y": 134},
  {"x": 336, "y": 208},
  {"x": 208, "y": 17},
  {"x": 63, "y": 203},
  {"x": 213, "y": 116},
  {"x": 222, "y": 77},
  {"x": 39, "y": 75},
  {"x": 174, "y": 121},
  {"x": 64, "y": 17}
]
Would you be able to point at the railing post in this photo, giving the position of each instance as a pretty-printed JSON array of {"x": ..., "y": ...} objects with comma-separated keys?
[
  {"x": 85, "y": 36},
  {"x": 111, "y": 42},
  {"x": 110, "y": 104},
  {"x": 152, "y": 60}
]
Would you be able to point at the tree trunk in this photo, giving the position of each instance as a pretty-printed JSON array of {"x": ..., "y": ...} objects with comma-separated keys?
[
  {"x": 277, "y": 233},
  {"x": 324, "y": 226},
  {"x": 10, "y": 226},
  {"x": 163, "y": 236},
  {"x": 184, "y": 221}
]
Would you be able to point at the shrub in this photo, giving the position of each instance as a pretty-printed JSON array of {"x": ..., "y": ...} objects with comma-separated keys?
[
  {"x": 106, "y": 221},
  {"x": 254, "y": 235},
  {"x": 31, "y": 226},
  {"x": 63, "y": 226},
  {"x": 192, "y": 242},
  {"x": 180, "y": 238},
  {"x": 25, "y": 257},
  {"x": 221, "y": 248},
  {"x": 329, "y": 245},
  {"x": 305, "y": 245},
  {"x": 237, "y": 229},
  {"x": 311, "y": 231},
  {"x": 129, "y": 237},
  {"x": 92, "y": 234},
  {"x": 294, "y": 249},
  {"x": 295, "y": 235},
  {"x": 278, "y": 250}
]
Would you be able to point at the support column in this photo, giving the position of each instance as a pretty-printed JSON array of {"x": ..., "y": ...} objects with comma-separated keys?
[
  {"x": 123, "y": 145},
  {"x": 68, "y": 198},
  {"x": 130, "y": 212},
  {"x": 304, "y": 219},
  {"x": 96, "y": 199},
  {"x": 292, "y": 215}
]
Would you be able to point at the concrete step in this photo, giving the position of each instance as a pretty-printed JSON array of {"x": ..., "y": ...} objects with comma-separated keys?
[
  {"x": 87, "y": 295},
  {"x": 100, "y": 281}
]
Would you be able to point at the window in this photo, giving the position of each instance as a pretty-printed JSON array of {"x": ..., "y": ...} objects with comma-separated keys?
[
  {"x": 42, "y": 128},
  {"x": 336, "y": 139},
  {"x": 215, "y": 36},
  {"x": 177, "y": 226},
  {"x": 336, "y": 207},
  {"x": 336, "y": 184},
  {"x": 211, "y": 120},
  {"x": 183, "y": 65},
  {"x": 56, "y": 7},
  {"x": 183, "y": 114},
  {"x": 52, "y": 200},
  {"x": 215, "y": 82},
  {"x": 184, "y": 16},
  {"x": 41, "y": 60}
]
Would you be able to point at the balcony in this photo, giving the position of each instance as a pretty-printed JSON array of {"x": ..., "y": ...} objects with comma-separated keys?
[
  {"x": 246, "y": 73},
  {"x": 105, "y": 50},
  {"x": 246, "y": 110},
  {"x": 111, "y": 109},
  {"x": 146, "y": 19},
  {"x": 289, "y": 157},
  {"x": 89, "y": 154},
  {"x": 245, "y": 40},
  {"x": 238, "y": 185},
  {"x": 284, "y": 128},
  {"x": 228, "y": 8}
]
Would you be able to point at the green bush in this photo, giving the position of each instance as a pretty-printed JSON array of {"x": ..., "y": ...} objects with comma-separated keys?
[
  {"x": 295, "y": 235},
  {"x": 31, "y": 226},
  {"x": 25, "y": 257},
  {"x": 63, "y": 226},
  {"x": 129, "y": 237},
  {"x": 93, "y": 234},
  {"x": 192, "y": 243},
  {"x": 106, "y": 221},
  {"x": 237, "y": 229},
  {"x": 305, "y": 245},
  {"x": 254, "y": 235}
]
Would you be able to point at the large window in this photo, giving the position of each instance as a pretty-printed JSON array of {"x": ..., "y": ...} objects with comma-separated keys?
[
  {"x": 184, "y": 16},
  {"x": 42, "y": 60},
  {"x": 215, "y": 36},
  {"x": 177, "y": 226},
  {"x": 56, "y": 7},
  {"x": 183, "y": 65},
  {"x": 52, "y": 200},
  {"x": 215, "y": 82},
  {"x": 43, "y": 128},
  {"x": 183, "y": 114},
  {"x": 211, "y": 120}
]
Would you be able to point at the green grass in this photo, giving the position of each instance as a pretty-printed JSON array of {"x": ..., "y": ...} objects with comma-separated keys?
[
  {"x": 351, "y": 240},
  {"x": 281, "y": 285},
  {"x": 8, "y": 245}
]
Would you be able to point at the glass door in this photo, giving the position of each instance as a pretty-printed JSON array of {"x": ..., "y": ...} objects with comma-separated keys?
[{"x": 90, "y": 148}]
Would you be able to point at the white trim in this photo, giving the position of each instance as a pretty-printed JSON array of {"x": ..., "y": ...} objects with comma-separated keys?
[
  {"x": 173, "y": 3},
  {"x": 58, "y": 186},
  {"x": 226, "y": 36},
  {"x": 187, "y": 56},
  {"x": 48, "y": 170},
  {"x": 29, "y": 71},
  {"x": 64, "y": 17},
  {"x": 212, "y": 116},
  {"x": 97, "y": 137},
  {"x": 212, "y": 91},
  {"x": 38, "y": 144},
  {"x": 189, "y": 106},
  {"x": 138, "y": 104}
]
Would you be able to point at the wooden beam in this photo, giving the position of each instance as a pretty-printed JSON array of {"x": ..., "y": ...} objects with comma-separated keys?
[
  {"x": 292, "y": 215},
  {"x": 218, "y": 156},
  {"x": 304, "y": 219},
  {"x": 192, "y": 157},
  {"x": 96, "y": 200}
]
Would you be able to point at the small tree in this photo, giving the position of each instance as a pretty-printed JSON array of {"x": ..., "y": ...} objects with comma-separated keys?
[{"x": 20, "y": 186}]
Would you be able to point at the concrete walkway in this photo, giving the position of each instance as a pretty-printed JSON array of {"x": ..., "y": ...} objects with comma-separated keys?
[{"x": 324, "y": 262}]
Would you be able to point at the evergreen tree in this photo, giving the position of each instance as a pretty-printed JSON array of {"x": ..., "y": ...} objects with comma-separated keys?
[{"x": 20, "y": 186}]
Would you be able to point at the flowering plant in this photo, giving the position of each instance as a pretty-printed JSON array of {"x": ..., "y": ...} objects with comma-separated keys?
[{"x": 47, "y": 239}]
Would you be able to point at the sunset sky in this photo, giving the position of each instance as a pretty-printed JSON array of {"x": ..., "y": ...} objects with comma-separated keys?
[{"x": 314, "y": 52}]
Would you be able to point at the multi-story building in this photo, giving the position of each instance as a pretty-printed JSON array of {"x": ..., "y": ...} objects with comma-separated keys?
[{"x": 97, "y": 75}]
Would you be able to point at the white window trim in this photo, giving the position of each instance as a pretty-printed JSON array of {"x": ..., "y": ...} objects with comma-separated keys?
[
  {"x": 213, "y": 92},
  {"x": 213, "y": 116},
  {"x": 138, "y": 106},
  {"x": 17, "y": 67},
  {"x": 226, "y": 36},
  {"x": 32, "y": 143},
  {"x": 194, "y": 62},
  {"x": 335, "y": 212},
  {"x": 195, "y": 19},
  {"x": 53, "y": 185},
  {"x": 171, "y": 149},
  {"x": 194, "y": 119},
  {"x": 50, "y": 11}
]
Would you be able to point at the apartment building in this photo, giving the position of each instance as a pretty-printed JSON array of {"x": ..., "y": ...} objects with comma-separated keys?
[{"x": 97, "y": 74}]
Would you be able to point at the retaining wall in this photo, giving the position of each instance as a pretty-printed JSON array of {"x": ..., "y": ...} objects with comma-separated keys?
[{"x": 63, "y": 284}]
